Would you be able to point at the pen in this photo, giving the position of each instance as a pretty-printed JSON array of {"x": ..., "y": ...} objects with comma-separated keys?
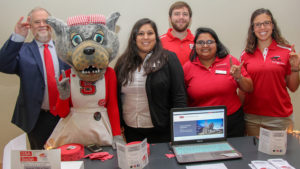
[{"x": 255, "y": 139}]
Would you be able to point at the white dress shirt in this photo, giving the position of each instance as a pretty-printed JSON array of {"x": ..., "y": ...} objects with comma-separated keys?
[
  {"x": 136, "y": 111},
  {"x": 19, "y": 38},
  {"x": 51, "y": 47}
]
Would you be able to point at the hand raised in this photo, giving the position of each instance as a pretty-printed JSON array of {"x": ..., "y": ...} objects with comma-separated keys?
[
  {"x": 235, "y": 70},
  {"x": 294, "y": 59},
  {"x": 22, "y": 28},
  {"x": 63, "y": 86}
]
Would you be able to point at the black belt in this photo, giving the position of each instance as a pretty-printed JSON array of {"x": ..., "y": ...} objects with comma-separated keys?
[{"x": 46, "y": 111}]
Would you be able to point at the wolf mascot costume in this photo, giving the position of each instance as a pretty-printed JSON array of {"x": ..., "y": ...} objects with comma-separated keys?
[{"x": 87, "y": 92}]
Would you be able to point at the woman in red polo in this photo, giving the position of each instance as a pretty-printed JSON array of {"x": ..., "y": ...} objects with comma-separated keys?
[
  {"x": 212, "y": 77},
  {"x": 273, "y": 66}
]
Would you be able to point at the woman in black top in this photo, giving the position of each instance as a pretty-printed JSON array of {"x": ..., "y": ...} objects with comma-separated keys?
[{"x": 150, "y": 83}]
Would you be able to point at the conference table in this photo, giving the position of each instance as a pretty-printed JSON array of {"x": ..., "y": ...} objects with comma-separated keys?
[{"x": 245, "y": 145}]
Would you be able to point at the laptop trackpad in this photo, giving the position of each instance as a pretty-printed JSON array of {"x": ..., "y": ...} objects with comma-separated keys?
[
  {"x": 209, "y": 156},
  {"x": 194, "y": 157}
]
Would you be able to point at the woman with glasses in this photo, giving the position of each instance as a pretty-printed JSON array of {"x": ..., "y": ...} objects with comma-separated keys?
[
  {"x": 150, "y": 83},
  {"x": 212, "y": 77},
  {"x": 273, "y": 66}
]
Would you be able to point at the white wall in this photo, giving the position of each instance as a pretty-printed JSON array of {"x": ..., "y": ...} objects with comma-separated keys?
[{"x": 229, "y": 18}]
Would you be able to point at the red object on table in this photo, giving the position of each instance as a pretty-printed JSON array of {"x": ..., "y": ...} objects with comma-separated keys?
[
  {"x": 71, "y": 152},
  {"x": 99, "y": 156}
]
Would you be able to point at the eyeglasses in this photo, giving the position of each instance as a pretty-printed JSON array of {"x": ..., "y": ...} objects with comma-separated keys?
[
  {"x": 39, "y": 22},
  {"x": 186, "y": 14},
  {"x": 265, "y": 23},
  {"x": 202, "y": 42}
]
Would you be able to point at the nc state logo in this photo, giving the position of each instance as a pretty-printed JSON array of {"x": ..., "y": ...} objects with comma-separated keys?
[
  {"x": 276, "y": 58},
  {"x": 87, "y": 88}
]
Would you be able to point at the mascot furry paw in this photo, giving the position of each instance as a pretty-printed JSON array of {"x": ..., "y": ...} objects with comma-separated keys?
[{"x": 87, "y": 92}]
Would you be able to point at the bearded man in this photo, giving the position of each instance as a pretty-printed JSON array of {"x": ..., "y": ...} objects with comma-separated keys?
[
  {"x": 36, "y": 63},
  {"x": 179, "y": 38}
]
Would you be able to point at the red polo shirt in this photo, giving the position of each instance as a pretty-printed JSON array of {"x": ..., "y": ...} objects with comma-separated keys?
[
  {"x": 270, "y": 96},
  {"x": 182, "y": 48},
  {"x": 213, "y": 86}
]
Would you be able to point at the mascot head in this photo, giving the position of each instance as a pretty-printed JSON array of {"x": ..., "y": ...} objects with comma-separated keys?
[{"x": 88, "y": 43}]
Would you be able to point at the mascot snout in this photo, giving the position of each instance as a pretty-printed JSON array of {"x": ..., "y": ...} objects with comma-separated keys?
[
  {"x": 89, "y": 50},
  {"x": 90, "y": 60}
]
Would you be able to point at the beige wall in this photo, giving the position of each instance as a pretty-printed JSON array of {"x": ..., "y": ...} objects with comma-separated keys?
[{"x": 229, "y": 18}]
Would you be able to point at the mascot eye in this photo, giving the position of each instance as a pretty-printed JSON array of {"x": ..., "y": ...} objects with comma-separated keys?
[
  {"x": 76, "y": 40},
  {"x": 98, "y": 38}
]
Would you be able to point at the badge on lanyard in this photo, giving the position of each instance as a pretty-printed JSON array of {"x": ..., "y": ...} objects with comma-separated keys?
[{"x": 222, "y": 72}]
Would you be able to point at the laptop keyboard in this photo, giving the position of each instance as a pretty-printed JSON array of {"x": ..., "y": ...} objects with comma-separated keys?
[{"x": 202, "y": 148}]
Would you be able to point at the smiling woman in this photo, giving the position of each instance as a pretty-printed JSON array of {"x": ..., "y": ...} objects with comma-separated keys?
[
  {"x": 273, "y": 66},
  {"x": 212, "y": 77},
  {"x": 145, "y": 40},
  {"x": 150, "y": 83}
]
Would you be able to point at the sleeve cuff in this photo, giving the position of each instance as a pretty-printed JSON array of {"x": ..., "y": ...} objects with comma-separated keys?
[{"x": 17, "y": 38}]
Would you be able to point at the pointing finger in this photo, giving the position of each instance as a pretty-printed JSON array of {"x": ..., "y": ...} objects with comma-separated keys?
[
  {"x": 28, "y": 19},
  {"x": 241, "y": 65},
  {"x": 63, "y": 74},
  {"x": 293, "y": 48},
  {"x": 56, "y": 81},
  {"x": 20, "y": 20}
]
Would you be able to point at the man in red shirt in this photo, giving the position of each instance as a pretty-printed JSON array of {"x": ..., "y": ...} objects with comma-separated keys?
[{"x": 179, "y": 38}]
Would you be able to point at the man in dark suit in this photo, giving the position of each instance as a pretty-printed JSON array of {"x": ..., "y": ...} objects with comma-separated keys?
[{"x": 32, "y": 113}]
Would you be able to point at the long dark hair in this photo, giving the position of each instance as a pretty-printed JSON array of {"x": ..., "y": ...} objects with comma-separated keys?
[
  {"x": 130, "y": 60},
  {"x": 252, "y": 39},
  {"x": 222, "y": 51}
]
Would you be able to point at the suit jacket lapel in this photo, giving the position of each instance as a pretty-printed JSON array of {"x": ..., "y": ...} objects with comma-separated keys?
[{"x": 37, "y": 56}]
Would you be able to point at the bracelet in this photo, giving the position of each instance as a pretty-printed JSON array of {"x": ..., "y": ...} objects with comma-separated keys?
[
  {"x": 295, "y": 70},
  {"x": 238, "y": 79}
]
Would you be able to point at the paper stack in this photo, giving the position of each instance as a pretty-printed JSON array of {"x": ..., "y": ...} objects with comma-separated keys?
[{"x": 271, "y": 164}]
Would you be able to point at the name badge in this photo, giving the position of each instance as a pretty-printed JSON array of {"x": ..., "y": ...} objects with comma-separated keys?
[{"x": 223, "y": 72}]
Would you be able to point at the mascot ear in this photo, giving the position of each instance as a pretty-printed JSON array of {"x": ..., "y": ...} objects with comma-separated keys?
[
  {"x": 111, "y": 21},
  {"x": 59, "y": 26}
]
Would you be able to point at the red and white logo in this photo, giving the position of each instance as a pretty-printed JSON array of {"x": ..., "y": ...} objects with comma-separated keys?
[{"x": 102, "y": 102}]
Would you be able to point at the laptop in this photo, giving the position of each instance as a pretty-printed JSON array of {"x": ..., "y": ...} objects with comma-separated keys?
[{"x": 199, "y": 134}]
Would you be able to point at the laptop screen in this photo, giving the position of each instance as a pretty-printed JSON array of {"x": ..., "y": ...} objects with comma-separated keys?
[{"x": 198, "y": 123}]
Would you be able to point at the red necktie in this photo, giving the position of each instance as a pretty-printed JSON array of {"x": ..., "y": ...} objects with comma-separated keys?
[{"x": 51, "y": 82}]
